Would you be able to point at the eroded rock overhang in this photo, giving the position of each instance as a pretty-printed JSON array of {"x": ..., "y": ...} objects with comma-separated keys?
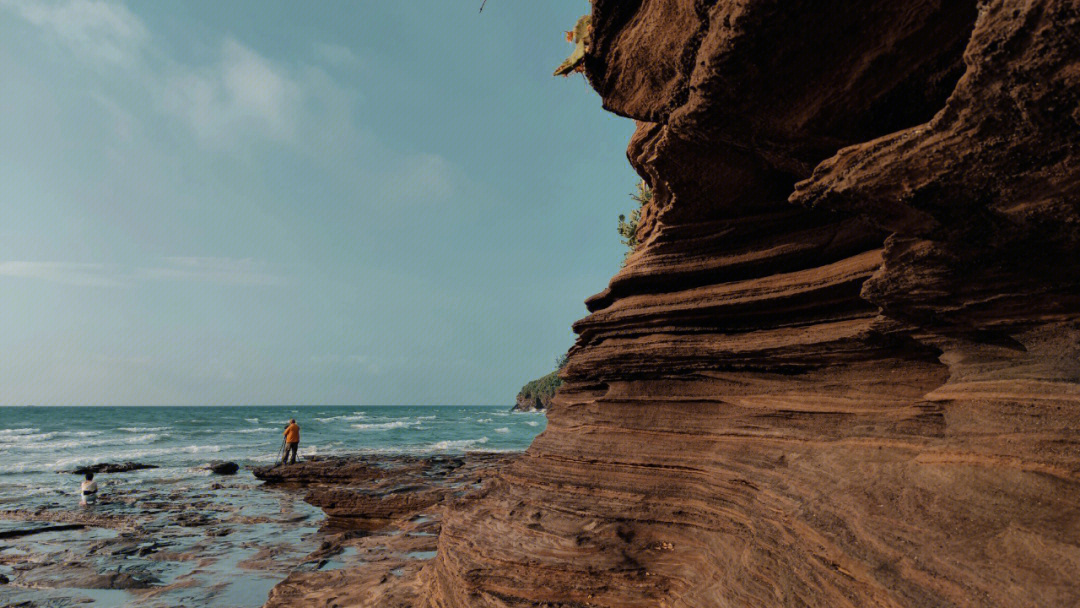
[{"x": 842, "y": 367}]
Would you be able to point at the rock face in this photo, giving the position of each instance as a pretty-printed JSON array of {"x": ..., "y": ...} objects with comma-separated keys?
[
  {"x": 843, "y": 367},
  {"x": 529, "y": 404}
]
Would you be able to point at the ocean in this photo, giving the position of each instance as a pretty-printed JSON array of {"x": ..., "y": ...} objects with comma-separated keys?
[{"x": 244, "y": 537}]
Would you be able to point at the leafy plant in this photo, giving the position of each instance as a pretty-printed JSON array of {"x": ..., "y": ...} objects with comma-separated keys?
[
  {"x": 628, "y": 227},
  {"x": 560, "y": 361},
  {"x": 581, "y": 36}
]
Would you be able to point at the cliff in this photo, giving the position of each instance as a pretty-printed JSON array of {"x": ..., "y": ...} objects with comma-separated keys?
[
  {"x": 841, "y": 369},
  {"x": 536, "y": 395}
]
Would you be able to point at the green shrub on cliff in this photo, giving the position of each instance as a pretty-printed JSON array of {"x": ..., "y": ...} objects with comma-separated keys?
[
  {"x": 538, "y": 393},
  {"x": 542, "y": 388},
  {"x": 628, "y": 227}
]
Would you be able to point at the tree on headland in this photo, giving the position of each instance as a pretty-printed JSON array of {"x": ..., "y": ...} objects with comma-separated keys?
[{"x": 536, "y": 395}]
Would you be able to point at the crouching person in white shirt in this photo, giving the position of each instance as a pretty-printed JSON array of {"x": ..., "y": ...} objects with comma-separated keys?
[{"x": 89, "y": 490}]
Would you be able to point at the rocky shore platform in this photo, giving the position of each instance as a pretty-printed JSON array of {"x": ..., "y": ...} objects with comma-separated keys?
[
  {"x": 155, "y": 539},
  {"x": 384, "y": 515}
]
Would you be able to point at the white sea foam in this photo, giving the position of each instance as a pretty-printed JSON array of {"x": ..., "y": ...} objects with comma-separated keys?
[
  {"x": 31, "y": 491},
  {"x": 143, "y": 429},
  {"x": 345, "y": 418},
  {"x": 456, "y": 444},
  {"x": 27, "y": 438},
  {"x": 265, "y": 458},
  {"x": 311, "y": 450},
  {"x": 93, "y": 443},
  {"x": 24, "y": 467},
  {"x": 484, "y": 420},
  {"x": 385, "y": 426},
  {"x": 502, "y": 429},
  {"x": 533, "y": 423},
  {"x": 246, "y": 431},
  {"x": 23, "y": 431},
  {"x": 80, "y": 433},
  {"x": 190, "y": 449},
  {"x": 426, "y": 417},
  {"x": 252, "y": 420},
  {"x": 121, "y": 456}
]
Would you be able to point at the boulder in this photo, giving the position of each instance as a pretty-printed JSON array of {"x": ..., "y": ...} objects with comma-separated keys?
[
  {"x": 111, "y": 467},
  {"x": 224, "y": 468}
]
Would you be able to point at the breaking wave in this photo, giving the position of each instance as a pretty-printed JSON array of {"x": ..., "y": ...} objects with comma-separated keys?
[
  {"x": 345, "y": 418},
  {"x": 456, "y": 444},
  {"x": 385, "y": 426}
]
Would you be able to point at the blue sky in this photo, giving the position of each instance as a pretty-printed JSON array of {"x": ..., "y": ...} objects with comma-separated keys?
[{"x": 309, "y": 203}]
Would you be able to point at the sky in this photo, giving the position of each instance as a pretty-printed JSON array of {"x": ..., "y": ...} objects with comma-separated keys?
[{"x": 364, "y": 202}]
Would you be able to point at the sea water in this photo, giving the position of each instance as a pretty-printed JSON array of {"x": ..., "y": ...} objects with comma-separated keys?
[{"x": 248, "y": 536}]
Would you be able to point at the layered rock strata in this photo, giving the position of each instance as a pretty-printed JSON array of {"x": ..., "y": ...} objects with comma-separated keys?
[{"x": 855, "y": 385}]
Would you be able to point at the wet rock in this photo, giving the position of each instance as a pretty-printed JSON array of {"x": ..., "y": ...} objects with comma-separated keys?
[
  {"x": 144, "y": 551},
  {"x": 319, "y": 470},
  {"x": 82, "y": 516},
  {"x": 384, "y": 525},
  {"x": 111, "y": 467},
  {"x": 224, "y": 468},
  {"x": 370, "y": 492},
  {"x": 191, "y": 519},
  {"x": 115, "y": 580},
  {"x": 39, "y": 530},
  {"x": 77, "y": 575}
]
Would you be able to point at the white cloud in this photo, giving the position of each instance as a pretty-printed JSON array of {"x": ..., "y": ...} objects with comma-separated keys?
[
  {"x": 228, "y": 271},
  {"x": 99, "y": 32},
  {"x": 90, "y": 275},
  {"x": 239, "y": 95},
  {"x": 243, "y": 93},
  {"x": 237, "y": 101},
  {"x": 225, "y": 271},
  {"x": 124, "y": 123},
  {"x": 337, "y": 55},
  {"x": 421, "y": 178},
  {"x": 347, "y": 363}
]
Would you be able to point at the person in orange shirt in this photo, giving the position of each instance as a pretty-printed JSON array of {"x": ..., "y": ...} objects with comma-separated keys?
[{"x": 292, "y": 442}]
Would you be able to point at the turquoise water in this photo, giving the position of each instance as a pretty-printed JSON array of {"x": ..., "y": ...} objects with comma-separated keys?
[{"x": 214, "y": 562}]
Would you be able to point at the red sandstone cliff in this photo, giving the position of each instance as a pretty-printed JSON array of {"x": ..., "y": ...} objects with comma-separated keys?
[{"x": 842, "y": 368}]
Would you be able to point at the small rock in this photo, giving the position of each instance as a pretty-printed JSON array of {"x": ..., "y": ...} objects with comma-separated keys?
[
  {"x": 224, "y": 468},
  {"x": 4, "y": 580}
]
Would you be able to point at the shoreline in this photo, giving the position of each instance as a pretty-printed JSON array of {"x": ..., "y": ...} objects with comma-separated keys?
[
  {"x": 326, "y": 527},
  {"x": 383, "y": 519}
]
